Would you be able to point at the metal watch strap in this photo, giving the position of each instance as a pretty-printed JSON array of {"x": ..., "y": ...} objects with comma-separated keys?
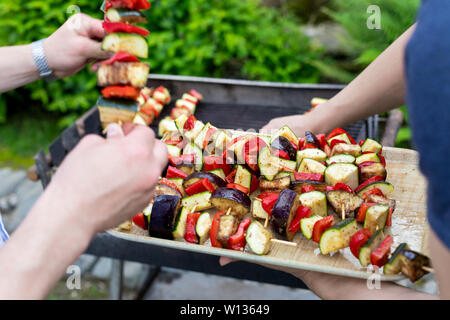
[{"x": 41, "y": 61}]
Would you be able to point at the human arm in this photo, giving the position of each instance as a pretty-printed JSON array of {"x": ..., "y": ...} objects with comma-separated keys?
[
  {"x": 99, "y": 185},
  {"x": 68, "y": 50},
  {"x": 379, "y": 88}
]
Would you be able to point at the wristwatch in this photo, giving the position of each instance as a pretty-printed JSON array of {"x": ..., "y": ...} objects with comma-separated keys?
[{"x": 41, "y": 61}]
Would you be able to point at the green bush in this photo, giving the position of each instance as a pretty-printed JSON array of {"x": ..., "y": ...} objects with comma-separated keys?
[{"x": 232, "y": 38}]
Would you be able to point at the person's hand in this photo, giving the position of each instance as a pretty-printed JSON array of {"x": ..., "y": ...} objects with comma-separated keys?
[
  {"x": 75, "y": 44},
  {"x": 104, "y": 182},
  {"x": 298, "y": 123}
]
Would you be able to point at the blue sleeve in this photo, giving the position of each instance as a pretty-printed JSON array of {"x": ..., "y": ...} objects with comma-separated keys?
[
  {"x": 3, "y": 234},
  {"x": 427, "y": 67}
]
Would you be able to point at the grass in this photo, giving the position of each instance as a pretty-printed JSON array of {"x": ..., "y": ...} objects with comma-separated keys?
[{"x": 23, "y": 135}]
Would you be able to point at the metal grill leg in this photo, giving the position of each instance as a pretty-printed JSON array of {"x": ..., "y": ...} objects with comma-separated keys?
[{"x": 115, "y": 283}]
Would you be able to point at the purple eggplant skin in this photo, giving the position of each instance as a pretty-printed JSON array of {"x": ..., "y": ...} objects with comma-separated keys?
[
  {"x": 285, "y": 145},
  {"x": 225, "y": 198},
  {"x": 217, "y": 181},
  {"x": 312, "y": 139},
  {"x": 282, "y": 209},
  {"x": 164, "y": 211}
]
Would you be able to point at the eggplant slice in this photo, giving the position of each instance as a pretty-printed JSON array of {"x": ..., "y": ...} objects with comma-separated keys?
[
  {"x": 283, "y": 144},
  {"x": 411, "y": 264},
  {"x": 225, "y": 198},
  {"x": 310, "y": 138},
  {"x": 340, "y": 198},
  {"x": 164, "y": 211},
  {"x": 283, "y": 212},
  {"x": 375, "y": 169},
  {"x": 319, "y": 186},
  {"x": 373, "y": 198},
  {"x": 217, "y": 181},
  {"x": 275, "y": 185}
]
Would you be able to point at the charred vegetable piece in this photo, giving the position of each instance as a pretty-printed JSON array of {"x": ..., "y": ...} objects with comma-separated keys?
[
  {"x": 311, "y": 166},
  {"x": 376, "y": 217},
  {"x": 344, "y": 148},
  {"x": 318, "y": 186},
  {"x": 124, "y": 15},
  {"x": 123, "y": 73},
  {"x": 284, "y": 211},
  {"x": 224, "y": 198},
  {"x": 385, "y": 187},
  {"x": 237, "y": 241},
  {"x": 201, "y": 201},
  {"x": 258, "y": 211},
  {"x": 311, "y": 153},
  {"x": 411, "y": 264},
  {"x": 217, "y": 181},
  {"x": 366, "y": 250},
  {"x": 338, "y": 237},
  {"x": 344, "y": 173},
  {"x": 164, "y": 211},
  {"x": 315, "y": 200},
  {"x": 341, "y": 158},
  {"x": 187, "y": 168},
  {"x": 228, "y": 225},
  {"x": 287, "y": 133},
  {"x": 275, "y": 185},
  {"x": 258, "y": 238},
  {"x": 283, "y": 144},
  {"x": 373, "y": 170},
  {"x": 393, "y": 266},
  {"x": 343, "y": 199},
  {"x": 203, "y": 227},
  {"x": 312, "y": 139}
]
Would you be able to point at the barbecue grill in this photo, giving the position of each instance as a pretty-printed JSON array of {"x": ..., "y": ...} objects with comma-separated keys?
[{"x": 228, "y": 104}]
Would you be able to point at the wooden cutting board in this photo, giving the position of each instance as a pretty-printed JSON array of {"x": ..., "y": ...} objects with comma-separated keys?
[{"x": 408, "y": 225}]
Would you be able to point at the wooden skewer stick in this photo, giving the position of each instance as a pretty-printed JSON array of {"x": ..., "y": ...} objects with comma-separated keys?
[
  {"x": 266, "y": 223},
  {"x": 343, "y": 211},
  {"x": 428, "y": 269},
  {"x": 287, "y": 243},
  {"x": 229, "y": 211},
  {"x": 193, "y": 209},
  {"x": 258, "y": 199}
]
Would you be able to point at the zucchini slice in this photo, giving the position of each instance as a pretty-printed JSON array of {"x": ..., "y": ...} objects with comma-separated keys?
[
  {"x": 371, "y": 146},
  {"x": 222, "y": 139},
  {"x": 376, "y": 217},
  {"x": 311, "y": 166},
  {"x": 200, "y": 138},
  {"x": 192, "y": 148},
  {"x": 166, "y": 125},
  {"x": 266, "y": 164},
  {"x": 125, "y": 15},
  {"x": 307, "y": 225},
  {"x": 129, "y": 42},
  {"x": 203, "y": 227},
  {"x": 187, "y": 168},
  {"x": 192, "y": 134},
  {"x": 315, "y": 200},
  {"x": 344, "y": 148},
  {"x": 341, "y": 158},
  {"x": 218, "y": 172},
  {"x": 201, "y": 201},
  {"x": 287, "y": 133},
  {"x": 184, "y": 104},
  {"x": 243, "y": 177},
  {"x": 258, "y": 211},
  {"x": 367, "y": 157},
  {"x": 342, "y": 137},
  {"x": 179, "y": 227},
  {"x": 258, "y": 238},
  {"x": 179, "y": 123},
  {"x": 310, "y": 153},
  {"x": 371, "y": 245},
  {"x": 375, "y": 169},
  {"x": 338, "y": 237},
  {"x": 173, "y": 151},
  {"x": 284, "y": 174},
  {"x": 342, "y": 172},
  {"x": 178, "y": 182},
  {"x": 393, "y": 266},
  {"x": 384, "y": 186}
]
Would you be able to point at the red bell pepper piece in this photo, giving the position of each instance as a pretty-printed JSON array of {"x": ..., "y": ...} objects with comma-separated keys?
[
  {"x": 320, "y": 227},
  {"x": 238, "y": 187},
  {"x": 254, "y": 184},
  {"x": 380, "y": 256},
  {"x": 301, "y": 143},
  {"x": 301, "y": 213},
  {"x": 269, "y": 201},
  {"x": 322, "y": 139},
  {"x": 339, "y": 131},
  {"x": 366, "y": 164},
  {"x": 382, "y": 159},
  {"x": 294, "y": 145},
  {"x": 362, "y": 211},
  {"x": 389, "y": 217},
  {"x": 343, "y": 187},
  {"x": 140, "y": 221},
  {"x": 200, "y": 186},
  {"x": 190, "y": 123},
  {"x": 369, "y": 181},
  {"x": 184, "y": 158},
  {"x": 173, "y": 172},
  {"x": 233, "y": 141},
  {"x": 361, "y": 142},
  {"x": 329, "y": 188},
  {"x": 123, "y": 92},
  {"x": 267, "y": 194},
  {"x": 335, "y": 142},
  {"x": 172, "y": 142},
  {"x": 327, "y": 150},
  {"x": 121, "y": 56},
  {"x": 307, "y": 188},
  {"x": 358, "y": 240},
  {"x": 190, "y": 235},
  {"x": 170, "y": 184},
  {"x": 215, "y": 229},
  {"x": 215, "y": 162},
  {"x": 129, "y": 4},
  {"x": 111, "y": 27},
  {"x": 250, "y": 152},
  {"x": 308, "y": 176},
  {"x": 231, "y": 176},
  {"x": 237, "y": 241},
  {"x": 309, "y": 146},
  {"x": 196, "y": 94},
  {"x": 208, "y": 136},
  {"x": 374, "y": 191},
  {"x": 281, "y": 154}
]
